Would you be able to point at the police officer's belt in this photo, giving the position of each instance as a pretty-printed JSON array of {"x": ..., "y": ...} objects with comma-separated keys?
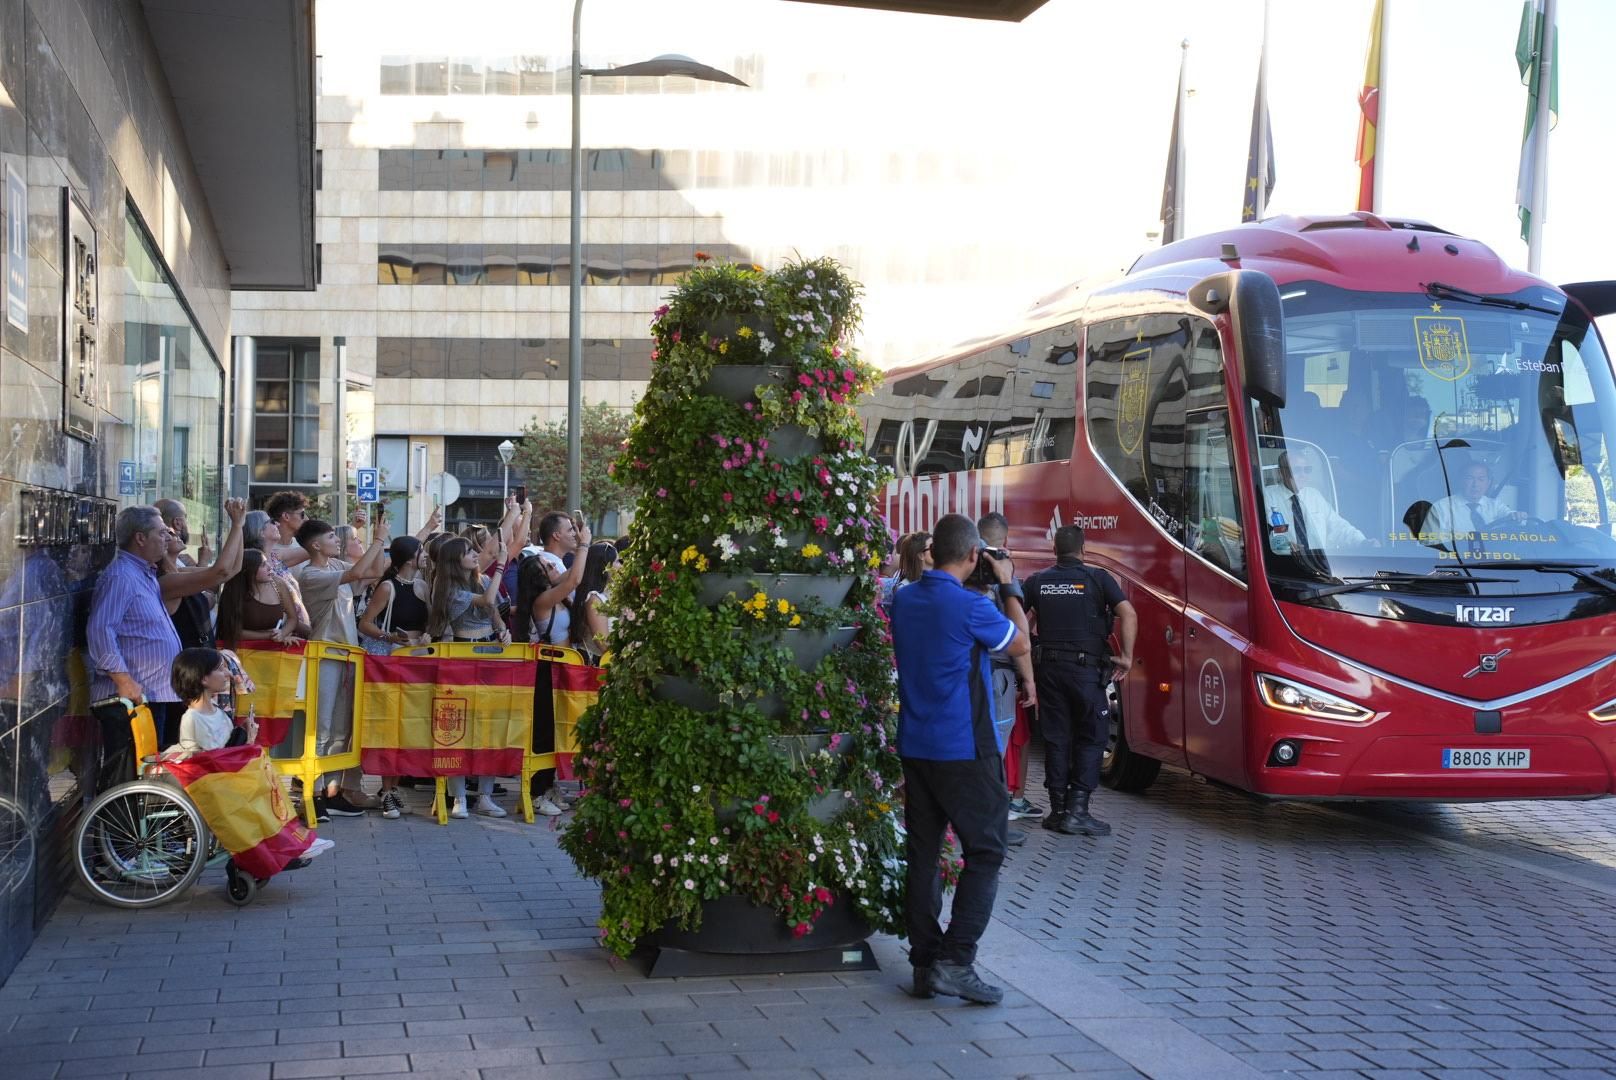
[{"x": 1073, "y": 654}]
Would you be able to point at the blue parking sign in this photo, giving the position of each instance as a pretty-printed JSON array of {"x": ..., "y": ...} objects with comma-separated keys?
[
  {"x": 127, "y": 483},
  {"x": 369, "y": 484}
]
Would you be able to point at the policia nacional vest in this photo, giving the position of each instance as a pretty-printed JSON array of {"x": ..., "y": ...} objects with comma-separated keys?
[{"x": 1072, "y": 613}]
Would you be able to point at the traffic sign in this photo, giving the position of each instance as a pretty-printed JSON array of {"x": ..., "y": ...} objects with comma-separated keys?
[
  {"x": 369, "y": 486},
  {"x": 127, "y": 484},
  {"x": 444, "y": 489}
]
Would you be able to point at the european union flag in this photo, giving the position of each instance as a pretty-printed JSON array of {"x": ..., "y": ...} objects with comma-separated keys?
[{"x": 1260, "y": 155}]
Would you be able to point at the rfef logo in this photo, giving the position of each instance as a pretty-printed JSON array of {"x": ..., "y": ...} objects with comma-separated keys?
[{"x": 449, "y": 718}]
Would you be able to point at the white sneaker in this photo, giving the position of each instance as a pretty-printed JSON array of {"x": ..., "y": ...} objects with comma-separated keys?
[
  {"x": 548, "y": 808},
  {"x": 458, "y": 808},
  {"x": 319, "y": 847},
  {"x": 488, "y": 807}
]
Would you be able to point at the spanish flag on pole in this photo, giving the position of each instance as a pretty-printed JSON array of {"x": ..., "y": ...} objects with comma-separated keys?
[
  {"x": 238, "y": 795},
  {"x": 1369, "y": 114},
  {"x": 443, "y": 716},
  {"x": 278, "y": 680},
  {"x": 575, "y": 688}
]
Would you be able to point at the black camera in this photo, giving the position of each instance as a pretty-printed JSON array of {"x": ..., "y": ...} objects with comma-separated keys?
[{"x": 997, "y": 553}]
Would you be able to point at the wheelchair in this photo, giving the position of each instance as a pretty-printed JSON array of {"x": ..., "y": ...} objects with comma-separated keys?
[{"x": 144, "y": 843}]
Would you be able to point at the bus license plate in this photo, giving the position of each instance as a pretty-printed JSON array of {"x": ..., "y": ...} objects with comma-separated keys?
[{"x": 1486, "y": 759}]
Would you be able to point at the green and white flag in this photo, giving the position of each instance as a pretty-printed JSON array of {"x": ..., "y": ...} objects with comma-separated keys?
[{"x": 1528, "y": 44}]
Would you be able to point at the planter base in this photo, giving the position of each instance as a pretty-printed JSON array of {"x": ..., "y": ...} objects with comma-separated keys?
[{"x": 657, "y": 962}]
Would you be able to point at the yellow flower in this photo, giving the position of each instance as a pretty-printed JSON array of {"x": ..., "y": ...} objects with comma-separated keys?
[
  {"x": 689, "y": 554},
  {"x": 757, "y": 613},
  {"x": 783, "y": 606},
  {"x": 760, "y": 598},
  {"x": 810, "y": 551},
  {"x": 723, "y": 347},
  {"x": 745, "y": 331},
  {"x": 796, "y": 620},
  {"x": 701, "y": 563}
]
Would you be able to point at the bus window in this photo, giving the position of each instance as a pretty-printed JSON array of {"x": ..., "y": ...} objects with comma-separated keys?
[
  {"x": 1143, "y": 375},
  {"x": 951, "y": 428},
  {"x": 884, "y": 444},
  {"x": 1211, "y": 500}
]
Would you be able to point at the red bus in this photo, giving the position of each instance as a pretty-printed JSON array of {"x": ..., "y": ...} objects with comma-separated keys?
[{"x": 1355, "y": 475}]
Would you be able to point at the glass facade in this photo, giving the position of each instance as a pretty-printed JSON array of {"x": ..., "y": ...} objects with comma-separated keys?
[
  {"x": 286, "y": 425},
  {"x": 542, "y": 264},
  {"x": 529, "y": 76},
  {"x": 507, "y": 358}
]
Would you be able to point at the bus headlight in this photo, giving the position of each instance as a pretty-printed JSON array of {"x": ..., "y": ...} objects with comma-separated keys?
[
  {"x": 1294, "y": 697},
  {"x": 1605, "y": 713}
]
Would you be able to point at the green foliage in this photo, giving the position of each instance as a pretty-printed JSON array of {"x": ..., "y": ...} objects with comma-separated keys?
[
  {"x": 541, "y": 454},
  {"x": 683, "y": 804}
]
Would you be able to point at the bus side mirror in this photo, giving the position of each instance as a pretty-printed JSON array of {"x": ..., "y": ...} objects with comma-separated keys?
[{"x": 1252, "y": 299}]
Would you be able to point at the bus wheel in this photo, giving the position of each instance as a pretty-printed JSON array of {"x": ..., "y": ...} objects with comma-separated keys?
[{"x": 1121, "y": 769}]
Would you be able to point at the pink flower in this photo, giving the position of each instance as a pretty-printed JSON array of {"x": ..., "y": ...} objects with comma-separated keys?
[
  {"x": 759, "y": 809},
  {"x": 796, "y": 396},
  {"x": 676, "y": 335},
  {"x": 796, "y": 495},
  {"x": 805, "y": 380},
  {"x": 729, "y": 464},
  {"x": 747, "y": 406},
  {"x": 662, "y": 493},
  {"x": 801, "y": 930},
  {"x": 763, "y": 798},
  {"x": 774, "y": 816},
  {"x": 824, "y": 714},
  {"x": 763, "y": 444},
  {"x": 836, "y": 351},
  {"x": 625, "y": 803},
  {"x": 728, "y": 497},
  {"x": 849, "y": 375},
  {"x": 666, "y": 828},
  {"x": 821, "y": 522}
]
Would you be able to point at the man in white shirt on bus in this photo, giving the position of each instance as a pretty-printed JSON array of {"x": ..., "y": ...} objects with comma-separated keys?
[
  {"x": 1472, "y": 510},
  {"x": 1299, "y": 515}
]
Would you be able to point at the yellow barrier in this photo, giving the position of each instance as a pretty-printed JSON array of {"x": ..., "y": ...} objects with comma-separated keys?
[
  {"x": 309, "y": 764},
  {"x": 287, "y": 680}
]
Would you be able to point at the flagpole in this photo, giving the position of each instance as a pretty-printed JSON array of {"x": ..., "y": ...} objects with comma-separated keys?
[
  {"x": 1262, "y": 141},
  {"x": 1379, "y": 164},
  {"x": 1179, "y": 171},
  {"x": 1544, "y": 77}
]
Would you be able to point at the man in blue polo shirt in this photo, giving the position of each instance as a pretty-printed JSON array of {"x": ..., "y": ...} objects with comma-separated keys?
[{"x": 952, "y": 772}]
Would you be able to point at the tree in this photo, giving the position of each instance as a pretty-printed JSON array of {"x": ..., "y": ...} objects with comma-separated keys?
[{"x": 541, "y": 454}]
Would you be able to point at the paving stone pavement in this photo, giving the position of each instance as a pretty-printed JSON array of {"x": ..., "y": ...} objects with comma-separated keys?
[{"x": 1211, "y": 936}]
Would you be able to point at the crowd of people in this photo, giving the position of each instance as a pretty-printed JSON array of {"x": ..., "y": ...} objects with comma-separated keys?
[
  {"x": 283, "y": 576},
  {"x": 976, "y": 648}
]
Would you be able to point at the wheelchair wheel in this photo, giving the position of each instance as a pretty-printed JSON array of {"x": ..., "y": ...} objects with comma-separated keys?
[
  {"x": 240, "y": 888},
  {"x": 140, "y": 844}
]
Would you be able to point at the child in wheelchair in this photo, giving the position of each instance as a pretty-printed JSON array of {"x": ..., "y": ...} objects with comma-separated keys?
[{"x": 199, "y": 676}]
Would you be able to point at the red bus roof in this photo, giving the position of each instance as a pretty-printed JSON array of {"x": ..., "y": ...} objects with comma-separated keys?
[{"x": 1359, "y": 251}]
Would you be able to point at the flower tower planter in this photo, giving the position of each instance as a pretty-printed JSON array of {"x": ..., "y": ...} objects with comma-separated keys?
[{"x": 740, "y": 768}]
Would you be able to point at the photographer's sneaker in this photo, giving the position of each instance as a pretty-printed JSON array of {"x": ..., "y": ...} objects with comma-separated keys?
[
  {"x": 457, "y": 808},
  {"x": 487, "y": 807},
  {"x": 1022, "y": 808}
]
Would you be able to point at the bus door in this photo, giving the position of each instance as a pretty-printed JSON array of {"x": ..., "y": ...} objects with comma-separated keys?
[
  {"x": 1136, "y": 391},
  {"x": 1216, "y": 612}
]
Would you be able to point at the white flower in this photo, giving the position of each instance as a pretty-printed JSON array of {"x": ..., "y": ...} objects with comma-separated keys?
[
  {"x": 765, "y": 346},
  {"x": 697, "y": 788},
  {"x": 689, "y": 884},
  {"x": 657, "y": 858},
  {"x": 847, "y": 554},
  {"x": 723, "y": 860},
  {"x": 757, "y": 302},
  {"x": 840, "y": 491},
  {"x": 713, "y": 840},
  {"x": 780, "y": 540},
  {"x": 705, "y": 860},
  {"x": 813, "y": 857},
  {"x": 690, "y": 841}
]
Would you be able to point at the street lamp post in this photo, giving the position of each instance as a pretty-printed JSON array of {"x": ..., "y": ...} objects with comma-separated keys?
[
  {"x": 507, "y": 450},
  {"x": 669, "y": 64}
]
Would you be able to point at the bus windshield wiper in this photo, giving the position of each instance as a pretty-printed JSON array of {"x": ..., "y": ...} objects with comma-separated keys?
[
  {"x": 1396, "y": 577},
  {"x": 1580, "y": 571},
  {"x": 1441, "y": 291}
]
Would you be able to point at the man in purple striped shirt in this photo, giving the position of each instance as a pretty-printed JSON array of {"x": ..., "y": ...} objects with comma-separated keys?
[{"x": 132, "y": 641}]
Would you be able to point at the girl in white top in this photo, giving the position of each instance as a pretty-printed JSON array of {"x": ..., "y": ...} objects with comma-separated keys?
[
  {"x": 198, "y": 676},
  {"x": 459, "y": 594}
]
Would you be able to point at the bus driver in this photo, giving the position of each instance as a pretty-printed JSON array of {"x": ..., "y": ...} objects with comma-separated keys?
[
  {"x": 1299, "y": 515},
  {"x": 1472, "y": 510}
]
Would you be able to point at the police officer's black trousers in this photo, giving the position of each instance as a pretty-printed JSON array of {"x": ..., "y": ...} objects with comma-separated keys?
[
  {"x": 972, "y": 797},
  {"x": 1074, "y": 716}
]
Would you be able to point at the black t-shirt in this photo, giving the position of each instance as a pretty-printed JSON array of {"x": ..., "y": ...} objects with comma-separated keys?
[{"x": 1074, "y": 603}]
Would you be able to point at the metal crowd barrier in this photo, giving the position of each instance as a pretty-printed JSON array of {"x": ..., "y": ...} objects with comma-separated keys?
[{"x": 448, "y": 709}]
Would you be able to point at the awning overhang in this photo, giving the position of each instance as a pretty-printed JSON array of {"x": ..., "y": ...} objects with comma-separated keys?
[
  {"x": 241, "y": 73},
  {"x": 1003, "y": 10}
]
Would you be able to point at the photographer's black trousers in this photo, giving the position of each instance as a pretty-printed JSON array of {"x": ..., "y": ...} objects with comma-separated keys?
[
  {"x": 972, "y": 797},
  {"x": 1076, "y": 721}
]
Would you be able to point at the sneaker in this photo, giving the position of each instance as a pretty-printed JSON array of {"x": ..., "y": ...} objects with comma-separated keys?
[
  {"x": 322, "y": 813},
  {"x": 319, "y": 847},
  {"x": 962, "y": 981},
  {"x": 457, "y": 809},
  {"x": 548, "y": 808},
  {"x": 338, "y": 806},
  {"x": 392, "y": 805},
  {"x": 488, "y": 807},
  {"x": 1022, "y": 808}
]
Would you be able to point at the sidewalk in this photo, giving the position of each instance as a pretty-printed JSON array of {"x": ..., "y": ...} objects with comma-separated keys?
[{"x": 469, "y": 951}]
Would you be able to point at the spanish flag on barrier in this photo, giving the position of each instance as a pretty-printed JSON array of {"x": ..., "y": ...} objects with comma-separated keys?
[
  {"x": 575, "y": 687},
  {"x": 236, "y": 791},
  {"x": 278, "y": 677},
  {"x": 1369, "y": 114},
  {"x": 443, "y": 716}
]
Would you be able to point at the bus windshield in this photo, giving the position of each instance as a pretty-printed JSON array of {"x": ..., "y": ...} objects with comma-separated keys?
[{"x": 1443, "y": 437}]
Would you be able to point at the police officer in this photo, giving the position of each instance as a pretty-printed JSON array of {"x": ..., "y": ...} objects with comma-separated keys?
[{"x": 1070, "y": 607}]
